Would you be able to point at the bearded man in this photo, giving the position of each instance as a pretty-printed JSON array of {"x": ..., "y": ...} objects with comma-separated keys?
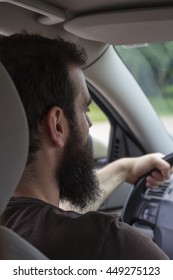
[{"x": 49, "y": 78}]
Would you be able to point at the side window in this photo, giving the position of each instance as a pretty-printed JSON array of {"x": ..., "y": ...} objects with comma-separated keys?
[
  {"x": 110, "y": 136},
  {"x": 100, "y": 133},
  {"x": 111, "y": 139}
]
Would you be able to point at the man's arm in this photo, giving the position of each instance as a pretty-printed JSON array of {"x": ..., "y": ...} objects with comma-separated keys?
[{"x": 129, "y": 170}]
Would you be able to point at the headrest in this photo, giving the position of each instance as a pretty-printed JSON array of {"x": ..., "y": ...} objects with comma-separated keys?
[{"x": 14, "y": 138}]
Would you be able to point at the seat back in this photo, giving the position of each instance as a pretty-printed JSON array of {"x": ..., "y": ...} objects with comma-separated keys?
[
  {"x": 14, "y": 142},
  {"x": 13, "y": 138}
]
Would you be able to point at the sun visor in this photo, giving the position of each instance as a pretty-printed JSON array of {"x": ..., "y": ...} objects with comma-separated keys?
[{"x": 124, "y": 27}]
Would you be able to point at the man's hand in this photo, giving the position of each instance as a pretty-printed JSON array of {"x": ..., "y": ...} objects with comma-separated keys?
[{"x": 146, "y": 163}]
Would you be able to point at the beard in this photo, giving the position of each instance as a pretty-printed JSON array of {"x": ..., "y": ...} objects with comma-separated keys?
[{"x": 76, "y": 178}]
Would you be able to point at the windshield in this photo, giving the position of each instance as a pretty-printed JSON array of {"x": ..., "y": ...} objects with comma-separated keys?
[{"x": 152, "y": 67}]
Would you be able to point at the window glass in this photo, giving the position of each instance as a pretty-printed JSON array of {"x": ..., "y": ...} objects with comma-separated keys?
[
  {"x": 152, "y": 67},
  {"x": 100, "y": 131}
]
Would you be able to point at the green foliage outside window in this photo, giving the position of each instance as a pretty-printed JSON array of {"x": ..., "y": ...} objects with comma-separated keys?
[
  {"x": 152, "y": 67},
  {"x": 95, "y": 114}
]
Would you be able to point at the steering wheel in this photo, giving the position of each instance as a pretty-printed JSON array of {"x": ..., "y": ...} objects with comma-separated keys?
[{"x": 151, "y": 210}]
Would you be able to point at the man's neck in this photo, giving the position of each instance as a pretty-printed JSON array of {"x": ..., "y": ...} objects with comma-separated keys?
[{"x": 43, "y": 189}]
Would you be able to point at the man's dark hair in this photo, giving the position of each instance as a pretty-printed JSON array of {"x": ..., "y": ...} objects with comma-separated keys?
[{"x": 39, "y": 68}]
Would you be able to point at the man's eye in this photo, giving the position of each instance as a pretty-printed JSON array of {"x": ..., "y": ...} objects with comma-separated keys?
[{"x": 88, "y": 110}]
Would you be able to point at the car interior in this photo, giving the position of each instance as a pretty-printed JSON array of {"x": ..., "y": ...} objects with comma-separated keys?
[{"x": 128, "y": 73}]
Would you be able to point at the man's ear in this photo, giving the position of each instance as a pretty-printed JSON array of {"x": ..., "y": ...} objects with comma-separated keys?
[{"x": 57, "y": 125}]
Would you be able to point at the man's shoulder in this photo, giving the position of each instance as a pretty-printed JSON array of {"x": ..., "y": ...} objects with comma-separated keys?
[
  {"x": 33, "y": 206},
  {"x": 72, "y": 235},
  {"x": 91, "y": 235},
  {"x": 47, "y": 216}
]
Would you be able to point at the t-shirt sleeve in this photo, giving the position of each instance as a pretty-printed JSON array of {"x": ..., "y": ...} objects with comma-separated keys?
[{"x": 125, "y": 243}]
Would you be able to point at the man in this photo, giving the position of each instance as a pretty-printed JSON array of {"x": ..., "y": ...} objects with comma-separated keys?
[{"x": 52, "y": 87}]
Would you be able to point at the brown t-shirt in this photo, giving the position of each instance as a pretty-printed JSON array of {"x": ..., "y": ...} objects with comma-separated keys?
[{"x": 68, "y": 235}]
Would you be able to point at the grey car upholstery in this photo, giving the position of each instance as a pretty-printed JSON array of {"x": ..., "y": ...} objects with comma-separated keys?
[{"x": 13, "y": 155}]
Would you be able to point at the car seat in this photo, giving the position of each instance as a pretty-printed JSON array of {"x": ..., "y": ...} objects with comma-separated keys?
[{"x": 14, "y": 139}]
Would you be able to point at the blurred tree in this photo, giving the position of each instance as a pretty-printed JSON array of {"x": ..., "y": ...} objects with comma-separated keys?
[{"x": 152, "y": 66}]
